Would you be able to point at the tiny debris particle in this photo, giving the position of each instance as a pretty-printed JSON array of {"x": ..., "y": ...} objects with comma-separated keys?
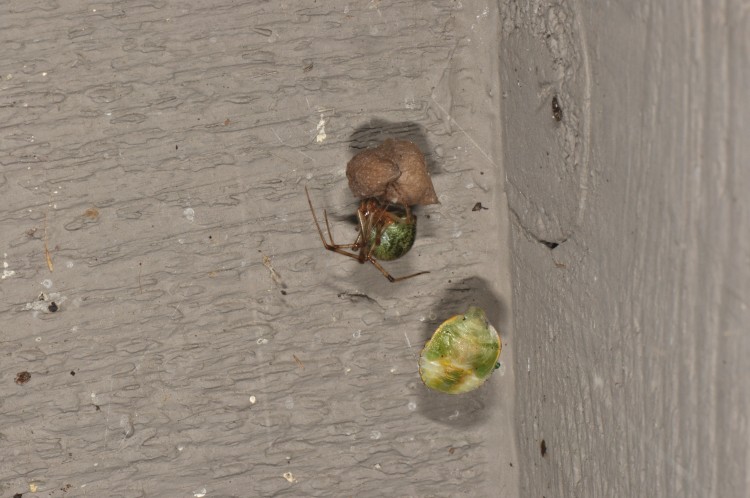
[
  {"x": 290, "y": 477},
  {"x": 307, "y": 68},
  {"x": 18, "y": 495},
  {"x": 91, "y": 213},
  {"x": 22, "y": 377},
  {"x": 53, "y": 307},
  {"x": 556, "y": 109},
  {"x": 543, "y": 447},
  {"x": 478, "y": 207},
  {"x": 72, "y": 373},
  {"x": 299, "y": 362},
  {"x": 451, "y": 450}
]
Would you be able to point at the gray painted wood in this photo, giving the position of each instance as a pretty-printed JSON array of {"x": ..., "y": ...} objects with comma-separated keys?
[
  {"x": 633, "y": 342},
  {"x": 204, "y": 342}
]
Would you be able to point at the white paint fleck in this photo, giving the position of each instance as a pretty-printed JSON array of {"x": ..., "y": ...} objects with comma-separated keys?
[
  {"x": 375, "y": 435},
  {"x": 456, "y": 234},
  {"x": 290, "y": 477},
  {"x": 189, "y": 213},
  {"x": 38, "y": 339},
  {"x": 6, "y": 273},
  {"x": 180, "y": 447},
  {"x": 321, "y": 130},
  {"x": 356, "y": 334},
  {"x": 412, "y": 406},
  {"x": 199, "y": 493},
  {"x": 262, "y": 340},
  {"x": 377, "y": 466},
  {"x": 47, "y": 283},
  {"x": 253, "y": 400},
  {"x": 393, "y": 370},
  {"x": 454, "y": 415},
  {"x": 69, "y": 264},
  {"x": 528, "y": 364}
]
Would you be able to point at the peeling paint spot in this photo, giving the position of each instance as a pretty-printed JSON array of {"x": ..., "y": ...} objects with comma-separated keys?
[
  {"x": 189, "y": 214},
  {"x": 290, "y": 477},
  {"x": 321, "y": 130},
  {"x": 199, "y": 493},
  {"x": 6, "y": 273}
]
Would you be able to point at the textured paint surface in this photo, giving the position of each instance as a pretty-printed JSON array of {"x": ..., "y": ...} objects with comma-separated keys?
[
  {"x": 631, "y": 245},
  {"x": 183, "y": 329}
]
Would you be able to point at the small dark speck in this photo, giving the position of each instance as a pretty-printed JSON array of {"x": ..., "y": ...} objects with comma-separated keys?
[
  {"x": 511, "y": 464},
  {"x": 176, "y": 147},
  {"x": 22, "y": 377},
  {"x": 427, "y": 216},
  {"x": 18, "y": 495},
  {"x": 556, "y": 109},
  {"x": 72, "y": 373},
  {"x": 98, "y": 408},
  {"x": 481, "y": 172},
  {"x": 52, "y": 307},
  {"x": 543, "y": 447},
  {"x": 283, "y": 292},
  {"x": 451, "y": 450},
  {"x": 478, "y": 207},
  {"x": 210, "y": 237},
  {"x": 551, "y": 245}
]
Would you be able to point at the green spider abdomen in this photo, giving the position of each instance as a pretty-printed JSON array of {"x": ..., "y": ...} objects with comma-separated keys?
[{"x": 395, "y": 239}]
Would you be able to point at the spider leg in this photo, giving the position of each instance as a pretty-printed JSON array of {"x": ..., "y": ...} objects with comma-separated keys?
[
  {"x": 387, "y": 275},
  {"x": 338, "y": 248}
]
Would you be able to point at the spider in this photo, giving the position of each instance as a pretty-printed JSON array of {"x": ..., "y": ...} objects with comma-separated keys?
[{"x": 386, "y": 232}]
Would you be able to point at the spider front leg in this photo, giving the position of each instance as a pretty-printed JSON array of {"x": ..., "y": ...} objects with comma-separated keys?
[{"x": 332, "y": 246}]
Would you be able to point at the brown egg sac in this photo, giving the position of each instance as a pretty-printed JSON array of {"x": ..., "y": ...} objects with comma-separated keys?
[{"x": 394, "y": 171}]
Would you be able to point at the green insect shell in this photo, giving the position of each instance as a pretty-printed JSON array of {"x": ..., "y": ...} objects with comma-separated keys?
[{"x": 462, "y": 353}]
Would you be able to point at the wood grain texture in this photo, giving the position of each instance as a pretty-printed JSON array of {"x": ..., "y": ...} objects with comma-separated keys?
[
  {"x": 203, "y": 340},
  {"x": 633, "y": 332}
]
